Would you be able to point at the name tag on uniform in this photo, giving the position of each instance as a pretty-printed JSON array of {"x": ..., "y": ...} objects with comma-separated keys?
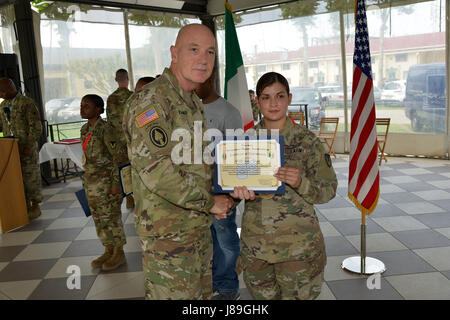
[{"x": 147, "y": 117}]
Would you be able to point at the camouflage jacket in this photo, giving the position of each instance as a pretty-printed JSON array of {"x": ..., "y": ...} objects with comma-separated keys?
[
  {"x": 285, "y": 227},
  {"x": 115, "y": 105},
  {"x": 255, "y": 111},
  {"x": 172, "y": 200},
  {"x": 104, "y": 153},
  {"x": 25, "y": 122}
]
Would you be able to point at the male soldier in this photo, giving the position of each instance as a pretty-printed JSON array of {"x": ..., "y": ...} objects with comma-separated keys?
[
  {"x": 142, "y": 82},
  {"x": 20, "y": 118},
  {"x": 115, "y": 105},
  {"x": 173, "y": 201},
  {"x": 255, "y": 108},
  {"x": 221, "y": 115}
]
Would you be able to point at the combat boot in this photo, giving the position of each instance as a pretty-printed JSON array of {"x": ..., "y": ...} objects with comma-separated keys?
[
  {"x": 117, "y": 259},
  {"x": 34, "y": 212},
  {"x": 97, "y": 263},
  {"x": 130, "y": 202}
]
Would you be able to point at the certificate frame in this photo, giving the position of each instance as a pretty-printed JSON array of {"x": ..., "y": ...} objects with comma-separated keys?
[
  {"x": 279, "y": 140},
  {"x": 125, "y": 179}
]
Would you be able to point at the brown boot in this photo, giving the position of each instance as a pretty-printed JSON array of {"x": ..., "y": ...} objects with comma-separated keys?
[
  {"x": 117, "y": 259},
  {"x": 34, "y": 212},
  {"x": 130, "y": 202},
  {"x": 97, "y": 263}
]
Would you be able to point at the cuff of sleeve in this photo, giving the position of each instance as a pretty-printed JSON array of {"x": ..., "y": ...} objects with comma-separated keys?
[
  {"x": 209, "y": 204},
  {"x": 304, "y": 186}
]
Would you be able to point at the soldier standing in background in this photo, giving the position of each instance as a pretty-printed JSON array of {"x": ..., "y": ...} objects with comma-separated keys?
[
  {"x": 103, "y": 153},
  {"x": 115, "y": 106},
  {"x": 174, "y": 205},
  {"x": 19, "y": 117}
]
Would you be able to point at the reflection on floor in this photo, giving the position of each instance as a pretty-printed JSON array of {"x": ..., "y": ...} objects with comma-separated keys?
[{"x": 409, "y": 231}]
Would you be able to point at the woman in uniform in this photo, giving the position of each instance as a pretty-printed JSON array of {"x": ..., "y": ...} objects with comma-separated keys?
[
  {"x": 283, "y": 249},
  {"x": 102, "y": 156}
]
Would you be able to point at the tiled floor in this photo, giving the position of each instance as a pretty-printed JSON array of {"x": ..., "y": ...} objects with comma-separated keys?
[{"x": 409, "y": 231}]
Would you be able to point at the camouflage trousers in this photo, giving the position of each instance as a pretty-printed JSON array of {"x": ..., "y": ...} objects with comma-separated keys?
[
  {"x": 178, "y": 270},
  {"x": 105, "y": 210},
  {"x": 290, "y": 280},
  {"x": 31, "y": 175}
]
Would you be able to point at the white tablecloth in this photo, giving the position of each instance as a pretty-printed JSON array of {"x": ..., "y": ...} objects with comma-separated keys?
[{"x": 50, "y": 151}]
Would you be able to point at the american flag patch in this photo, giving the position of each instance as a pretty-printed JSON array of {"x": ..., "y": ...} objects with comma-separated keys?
[{"x": 146, "y": 117}]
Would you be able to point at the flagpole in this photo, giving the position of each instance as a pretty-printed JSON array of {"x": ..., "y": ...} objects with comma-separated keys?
[{"x": 363, "y": 244}]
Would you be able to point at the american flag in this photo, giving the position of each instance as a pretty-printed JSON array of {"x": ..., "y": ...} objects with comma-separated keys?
[
  {"x": 364, "y": 177},
  {"x": 146, "y": 117}
]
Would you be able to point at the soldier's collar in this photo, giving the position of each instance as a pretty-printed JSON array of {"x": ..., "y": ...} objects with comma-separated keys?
[{"x": 186, "y": 96}]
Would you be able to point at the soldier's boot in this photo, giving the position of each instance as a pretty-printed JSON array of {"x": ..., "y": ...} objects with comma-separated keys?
[
  {"x": 118, "y": 258},
  {"x": 130, "y": 202},
  {"x": 97, "y": 263},
  {"x": 34, "y": 212}
]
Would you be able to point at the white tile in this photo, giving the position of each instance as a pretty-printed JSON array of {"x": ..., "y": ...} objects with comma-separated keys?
[
  {"x": 3, "y": 264},
  {"x": 18, "y": 238},
  {"x": 403, "y": 223},
  {"x": 419, "y": 207},
  {"x": 334, "y": 271},
  {"x": 88, "y": 233},
  {"x": 4, "y": 297},
  {"x": 400, "y": 179},
  {"x": 75, "y": 204},
  {"x": 117, "y": 286},
  {"x": 63, "y": 197},
  {"x": 446, "y": 174},
  {"x": 382, "y": 201},
  {"x": 133, "y": 245},
  {"x": 42, "y": 251},
  {"x": 342, "y": 183},
  {"x": 441, "y": 184},
  {"x": 68, "y": 223},
  {"x": 437, "y": 257},
  {"x": 328, "y": 230},
  {"x": 75, "y": 184},
  {"x": 19, "y": 290},
  {"x": 335, "y": 214},
  {"x": 444, "y": 231},
  {"x": 415, "y": 171},
  {"x": 340, "y": 165},
  {"x": 377, "y": 242},
  {"x": 433, "y": 194},
  {"x": 325, "y": 293},
  {"x": 51, "y": 213},
  {"x": 428, "y": 163},
  {"x": 50, "y": 191},
  {"x": 426, "y": 286},
  {"x": 391, "y": 188},
  {"x": 59, "y": 270},
  {"x": 130, "y": 218}
]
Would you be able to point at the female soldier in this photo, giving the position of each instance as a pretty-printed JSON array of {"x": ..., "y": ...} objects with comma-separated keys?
[
  {"x": 101, "y": 158},
  {"x": 283, "y": 250}
]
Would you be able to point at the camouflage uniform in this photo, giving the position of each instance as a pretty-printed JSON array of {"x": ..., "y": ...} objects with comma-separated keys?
[
  {"x": 172, "y": 215},
  {"x": 255, "y": 111},
  {"x": 283, "y": 250},
  {"x": 25, "y": 124},
  {"x": 104, "y": 154},
  {"x": 115, "y": 106}
]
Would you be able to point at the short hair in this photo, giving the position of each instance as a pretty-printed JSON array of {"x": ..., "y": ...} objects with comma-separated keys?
[
  {"x": 251, "y": 91},
  {"x": 146, "y": 79},
  {"x": 97, "y": 101},
  {"x": 270, "y": 78},
  {"x": 121, "y": 75}
]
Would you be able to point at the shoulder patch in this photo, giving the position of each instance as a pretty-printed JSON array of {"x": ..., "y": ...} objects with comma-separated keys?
[
  {"x": 328, "y": 160},
  {"x": 147, "y": 117},
  {"x": 158, "y": 137}
]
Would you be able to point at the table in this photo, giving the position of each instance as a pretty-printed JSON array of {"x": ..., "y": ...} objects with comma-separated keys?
[{"x": 74, "y": 152}]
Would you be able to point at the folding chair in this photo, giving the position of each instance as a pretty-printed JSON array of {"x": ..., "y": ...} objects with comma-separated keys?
[
  {"x": 382, "y": 135},
  {"x": 327, "y": 132},
  {"x": 297, "y": 115}
]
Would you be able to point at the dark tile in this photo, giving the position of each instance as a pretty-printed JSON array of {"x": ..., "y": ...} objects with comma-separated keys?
[
  {"x": 353, "y": 227},
  {"x": 56, "y": 289},
  {"x": 417, "y": 186},
  {"x": 428, "y": 177},
  {"x": 54, "y": 186},
  {"x": 390, "y": 173},
  {"x": 26, "y": 270},
  {"x": 446, "y": 273},
  {"x": 70, "y": 189},
  {"x": 401, "y": 166},
  {"x": 130, "y": 230},
  {"x": 402, "y": 262},
  {"x": 387, "y": 210},
  {"x": 339, "y": 246},
  {"x": 420, "y": 239},
  {"x": 90, "y": 223},
  {"x": 245, "y": 294},
  {"x": 133, "y": 264},
  {"x": 58, "y": 235},
  {"x": 57, "y": 204},
  {"x": 398, "y": 197},
  {"x": 9, "y": 253},
  {"x": 336, "y": 202},
  {"x": 435, "y": 220},
  {"x": 320, "y": 217},
  {"x": 72, "y": 213},
  {"x": 35, "y": 225},
  {"x": 444, "y": 204},
  {"x": 442, "y": 169},
  {"x": 81, "y": 248},
  {"x": 343, "y": 192},
  {"x": 356, "y": 289}
]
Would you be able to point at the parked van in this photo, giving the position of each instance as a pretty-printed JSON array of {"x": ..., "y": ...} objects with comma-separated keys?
[{"x": 425, "y": 98}]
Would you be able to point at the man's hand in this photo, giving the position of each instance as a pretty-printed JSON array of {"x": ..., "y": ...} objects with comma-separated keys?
[
  {"x": 115, "y": 191},
  {"x": 243, "y": 193},
  {"x": 26, "y": 151},
  {"x": 222, "y": 204},
  {"x": 289, "y": 175}
]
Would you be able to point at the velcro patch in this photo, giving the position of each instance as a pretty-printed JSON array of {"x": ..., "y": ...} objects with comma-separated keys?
[{"x": 147, "y": 117}]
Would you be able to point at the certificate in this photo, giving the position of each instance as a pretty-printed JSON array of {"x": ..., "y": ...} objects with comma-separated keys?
[
  {"x": 249, "y": 161},
  {"x": 125, "y": 179}
]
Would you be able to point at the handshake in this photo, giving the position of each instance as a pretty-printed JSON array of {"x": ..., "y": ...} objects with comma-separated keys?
[{"x": 223, "y": 203}]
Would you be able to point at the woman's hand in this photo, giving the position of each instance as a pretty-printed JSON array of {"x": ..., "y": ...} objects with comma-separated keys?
[
  {"x": 289, "y": 175},
  {"x": 115, "y": 191},
  {"x": 243, "y": 193}
]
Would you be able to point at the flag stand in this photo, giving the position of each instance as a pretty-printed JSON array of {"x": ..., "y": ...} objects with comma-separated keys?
[{"x": 362, "y": 264}]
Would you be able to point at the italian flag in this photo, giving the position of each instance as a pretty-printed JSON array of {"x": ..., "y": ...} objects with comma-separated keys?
[{"x": 236, "y": 89}]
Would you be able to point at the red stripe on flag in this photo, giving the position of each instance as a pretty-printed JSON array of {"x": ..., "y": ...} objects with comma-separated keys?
[
  {"x": 365, "y": 170},
  {"x": 373, "y": 193}
]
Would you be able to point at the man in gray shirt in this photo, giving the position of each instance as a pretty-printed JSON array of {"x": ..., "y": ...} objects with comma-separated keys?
[{"x": 220, "y": 114}]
